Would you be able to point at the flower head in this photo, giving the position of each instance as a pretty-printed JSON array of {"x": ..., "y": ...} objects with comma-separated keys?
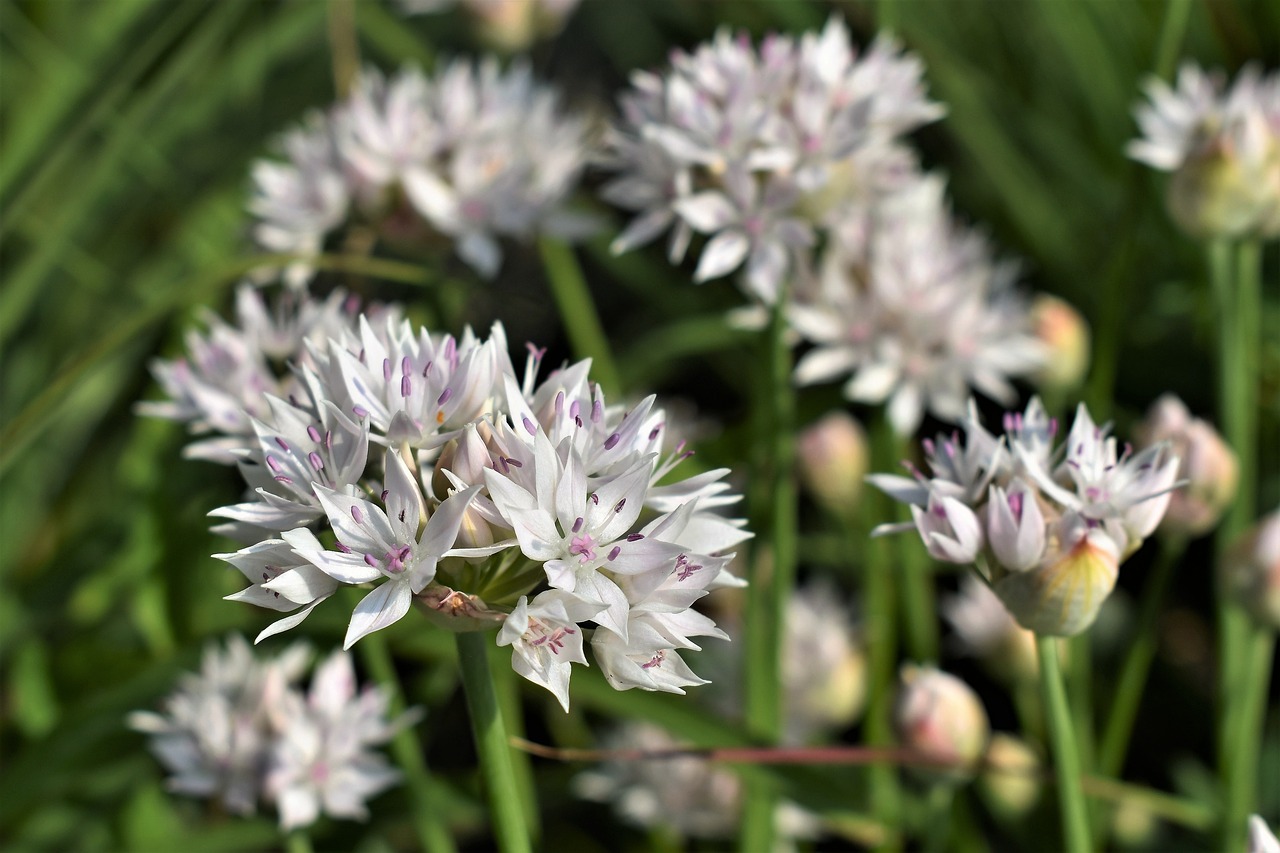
[{"x": 1208, "y": 466}]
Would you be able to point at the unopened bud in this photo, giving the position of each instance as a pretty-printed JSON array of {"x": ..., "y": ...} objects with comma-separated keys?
[
  {"x": 833, "y": 462},
  {"x": 1010, "y": 780},
  {"x": 1064, "y": 333},
  {"x": 1231, "y": 187},
  {"x": 941, "y": 717},
  {"x": 1208, "y": 465},
  {"x": 1062, "y": 596},
  {"x": 1251, "y": 571}
]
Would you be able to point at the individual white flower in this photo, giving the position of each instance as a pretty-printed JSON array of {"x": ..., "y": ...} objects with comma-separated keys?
[
  {"x": 321, "y": 761},
  {"x": 950, "y": 530},
  {"x": 281, "y": 580},
  {"x": 545, "y": 638},
  {"x": 917, "y": 320},
  {"x": 1222, "y": 146},
  {"x": 384, "y": 545}
]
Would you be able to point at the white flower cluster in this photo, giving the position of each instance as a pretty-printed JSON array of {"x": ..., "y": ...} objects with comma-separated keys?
[
  {"x": 469, "y": 154},
  {"x": 242, "y": 731},
  {"x": 791, "y": 160},
  {"x": 1222, "y": 146},
  {"x": 1047, "y": 528},
  {"x": 912, "y": 307},
  {"x": 749, "y": 147},
  {"x": 220, "y": 387},
  {"x": 422, "y": 463}
]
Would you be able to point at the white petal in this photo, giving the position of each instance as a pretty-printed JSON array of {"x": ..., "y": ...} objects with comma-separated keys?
[
  {"x": 723, "y": 254},
  {"x": 380, "y": 608},
  {"x": 707, "y": 212}
]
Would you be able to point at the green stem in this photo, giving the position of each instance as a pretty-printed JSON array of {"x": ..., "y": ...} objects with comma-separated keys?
[
  {"x": 1071, "y": 802},
  {"x": 578, "y": 311},
  {"x": 298, "y": 841},
  {"x": 494, "y": 751},
  {"x": 775, "y": 498},
  {"x": 880, "y": 628},
  {"x": 1250, "y": 696},
  {"x": 1172, "y": 30},
  {"x": 1236, "y": 280},
  {"x": 508, "y": 692},
  {"x": 433, "y": 834},
  {"x": 1133, "y": 674}
]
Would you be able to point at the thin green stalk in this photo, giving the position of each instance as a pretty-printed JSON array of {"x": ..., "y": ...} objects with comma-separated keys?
[
  {"x": 344, "y": 46},
  {"x": 508, "y": 692},
  {"x": 1066, "y": 760},
  {"x": 578, "y": 311},
  {"x": 1133, "y": 674},
  {"x": 918, "y": 597},
  {"x": 880, "y": 628},
  {"x": 1172, "y": 30},
  {"x": 767, "y": 604},
  {"x": 1236, "y": 279},
  {"x": 298, "y": 842},
  {"x": 1246, "y": 738},
  {"x": 433, "y": 834},
  {"x": 506, "y": 810}
]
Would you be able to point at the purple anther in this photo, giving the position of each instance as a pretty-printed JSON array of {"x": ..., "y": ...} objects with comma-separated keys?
[
  {"x": 383, "y": 497},
  {"x": 653, "y": 433},
  {"x": 406, "y": 364},
  {"x": 450, "y": 348},
  {"x": 314, "y": 433},
  {"x": 386, "y": 370},
  {"x": 343, "y": 548},
  {"x": 612, "y": 441},
  {"x": 1008, "y": 421},
  {"x": 282, "y": 444},
  {"x": 595, "y": 499},
  {"x": 620, "y": 505},
  {"x": 1053, "y": 427},
  {"x": 444, "y": 396},
  {"x": 281, "y": 478},
  {"x": 656, "y": 660},
  {"x": 577, "y": 422},
  {"x": 1015, "y": 504},
  {"x": 514, "y": 463},
  {"x": 317, "y": 464},
  {"x": 928, "y": 446},
  {"x": 427, "y": 370},
  {"x": 577, "y": 524},
  {"x": 406, "y": 386},
  {"x": 273, "y": 464},
  {"x": 370, "y": 561},
  {"x": 357, "y": 515},
  {"x": 360, "y": 357},
  {"x": 360, "y": 411},
  {"x": 529, "y": 427},
  {"x": 635, "y": 537},
  {"x": 328, "y": 440},
  {"x": 617, "y": 549},
  {"x": 575, "y": 409},
  {"x": 597, "y": 411}
]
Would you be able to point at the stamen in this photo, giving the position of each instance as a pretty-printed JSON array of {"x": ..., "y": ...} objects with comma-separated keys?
[
  {"x": 370, "y": 561},
  {"x": 314, "y": 434},
  {"x": 635, "y": 537},
  {"x": 273, "y": 463},
  {"x": 317, "y": 463},
  {"x": 406, "y": 386},
  {"x": 405, "y": 364},
  {"x": 620, "y": 505},
  {"x": 386, "y": 370},
  {"x": 597, "y": 411},
  {"x": 577, "y": 524},
  {"x": 357, "y": 515},
  {"x": 529, "y": 427},
  {"x": 343, "y": 548},
  {"x": 284, "y": 445},
  {"x": 360, "y": 411},
  {"x": 612, "y": 441},
  {"x": 444, "y": 396},
  {"x": 617, "y": 549}
]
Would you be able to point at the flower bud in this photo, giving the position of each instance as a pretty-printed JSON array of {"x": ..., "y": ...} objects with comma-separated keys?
[
  {"x": 1010, "y": 780},
  {"x": 1208, "y": 465},
  {"x": 1065, "y": 335},
  {"x": 950, "y": 530},
  {"x": 940, "y": 716},
  {"x": 824, "y": 668},
  {"x": 1062, "y": 596},
  {"x": 1251, "y": 571},
  {"x": 833, "y": 461},
  {"x": 1015, "y": 527}
]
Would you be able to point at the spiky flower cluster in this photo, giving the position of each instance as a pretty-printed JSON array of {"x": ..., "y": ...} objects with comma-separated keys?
[
  {"x": 465, "y": 156},
  {"x": 421, "y": 463},
  {"x": 750, "y": 146},
  {"x": 914, "y": 310},
  {"x": 1222, "y": 146},
  {"x": 1047, "y": 528},
  {"x": 242, "y": 731},
  {"x": 222, "y": 383}
]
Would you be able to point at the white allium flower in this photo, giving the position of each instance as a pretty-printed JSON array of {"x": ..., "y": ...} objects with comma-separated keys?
[
  {"x": 824, "y": 667},
  {"x": 1047, "y": 528},
  {"x": 321, "y": 759},
  {"x": 477, "y": 154},
  {"x": 221, "y": 386},
  {"x": 917, "y": 317},
  {"x": 242, "y": 732},
  {"x": 1261, "y": 839},
  {"x": 216, "y": 731},
  {"x": 1222, "y": 146},
  {"x": 490, "y": 490},
  {"x": 745, "y": 145}
]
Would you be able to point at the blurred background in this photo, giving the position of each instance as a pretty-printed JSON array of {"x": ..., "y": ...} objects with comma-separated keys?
[{"x": 127, "y": 131}]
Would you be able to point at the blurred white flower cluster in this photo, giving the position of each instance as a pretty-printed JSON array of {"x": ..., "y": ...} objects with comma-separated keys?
[
  {"x": 1047, "y": 527},
  {"x": 790, "y": 159},
  {"x": 422, "y": 463},
  {"x": 243, "y": 732},
  {"x": 1222, "y": 146},
  {"x": 741, "y": 144},
  {"x": 466, "y": 156}
]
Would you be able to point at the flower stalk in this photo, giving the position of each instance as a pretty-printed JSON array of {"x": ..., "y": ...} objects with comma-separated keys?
[
  {"x": 492, "y": 748},
  {"x": 1066, "y": 760}
]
